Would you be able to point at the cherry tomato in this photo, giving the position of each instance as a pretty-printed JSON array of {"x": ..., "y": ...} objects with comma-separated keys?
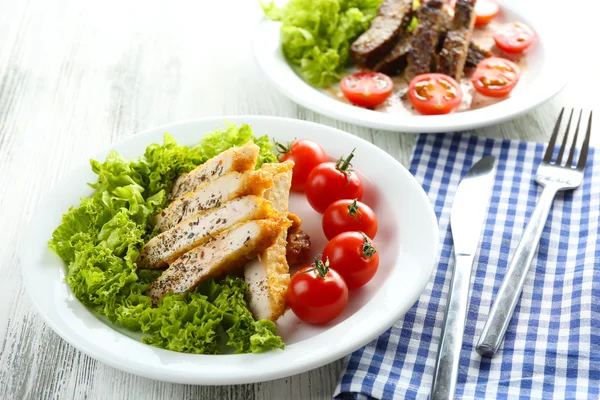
[
  {"x": 514, "y": 38},
  {"x": 485, "y": 11},
  {"x": 354, "y": 256},
  {"x": 495, "y": 77},
  {"x": 349, "y": 215},
  {"x": 317, "y": 294},
  {"x": 366, "y": 89},
  {"x": 329, "y": 182},
  {"x": 432, "y": 94},
  {"x": 306, "y": 155}
]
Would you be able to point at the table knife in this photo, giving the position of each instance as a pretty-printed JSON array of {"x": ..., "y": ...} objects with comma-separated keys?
[{"x": 467, "y": 218}]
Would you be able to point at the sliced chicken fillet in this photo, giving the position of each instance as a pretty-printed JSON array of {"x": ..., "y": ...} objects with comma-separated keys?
[
  {"x": 169, "y": 245},
  {"x": 227, "y": 251},
  {"x": 296, "y": 223},
  {"x": 276, "y": 169},
  {"x": 214, "y": 194},
  {"x": 268, "y": 279},
  {"x": 268, "y": 276},
  {"x": 239, "y": 159}
]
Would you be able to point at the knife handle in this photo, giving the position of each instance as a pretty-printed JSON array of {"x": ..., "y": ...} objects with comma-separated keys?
[
  {"x": 510, "y": 291},
  {"x": 446, "y": 368}
]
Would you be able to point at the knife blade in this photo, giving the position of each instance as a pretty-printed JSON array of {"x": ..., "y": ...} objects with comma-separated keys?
[{"x": 467, "y": 218}]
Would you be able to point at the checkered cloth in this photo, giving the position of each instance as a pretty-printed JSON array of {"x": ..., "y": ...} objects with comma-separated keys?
[{"x": 552, "y": 346}]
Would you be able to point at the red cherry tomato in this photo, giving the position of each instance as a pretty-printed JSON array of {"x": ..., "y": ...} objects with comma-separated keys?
[
  {"x": 366, "y": 89},
  {"x": 317, "y": 294},
  {"x": 354, "y": 257},
  {"x": 329, "y": 182},
  {"x": 432, "y": 94},
  {"x": 514, "y": 38},
  {"x": 495, "y": 77},
  {"x": 349, "y": 215},
  {"x": 306, "y": 155},
  {"x": 485, "y": 11}
]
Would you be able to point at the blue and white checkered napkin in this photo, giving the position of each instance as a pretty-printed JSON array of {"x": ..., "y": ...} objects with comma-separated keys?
[{"x": 552, "y": 346}]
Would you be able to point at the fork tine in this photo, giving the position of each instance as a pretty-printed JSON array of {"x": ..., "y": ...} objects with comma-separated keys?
[
  {"x": 572, "y": 152},
  {"x": 550, "y": 148},
  {"x": 586, "y": 144},
  {"x": 561, "y": 152}
]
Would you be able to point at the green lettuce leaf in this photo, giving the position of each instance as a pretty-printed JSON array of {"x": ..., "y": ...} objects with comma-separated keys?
[
  {"x": 414, "y": 20},
  {"x": 296, "y": 43},
  {"x": 196, "y": 322},
  {"x": 218, "y": 141},
  {"x": 321, "y": 69},
  {"x": 98, "y": 278},
  {"x": 164, "y": 163},
  {"x": 316, "y": 34},
  {"x": 100, "y": 241}
]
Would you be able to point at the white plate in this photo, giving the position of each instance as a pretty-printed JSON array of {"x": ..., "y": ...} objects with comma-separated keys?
[
  {"x": 407, "y": 241},
  {"x": 545, "y": 78}
]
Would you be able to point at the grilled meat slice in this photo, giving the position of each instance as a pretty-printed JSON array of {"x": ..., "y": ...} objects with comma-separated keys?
[
  {"x": 392, "y": 18},
  {"x": 475, "y": 54},
  {"x": 227, "y": 251},
  {"x": 213, "y": 194},
  {"x": 454, "y": 52},
  {"x": 298, "y": 248},
  {"x": 234, "y": 159},
  {"x": 171, "y": 244},
  {"x": 422, "y": 52},
  {"x": 268, "y": 276},
  {"x": 445, "y": 26},
  {"x": 395, "y": 62},
  {"x": 446, "y": 18}
]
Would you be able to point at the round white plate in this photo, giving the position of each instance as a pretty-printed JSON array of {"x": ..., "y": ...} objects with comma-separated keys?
[
  {"x": 407, "y": 242},
  {"x": 544, "y": 79}
]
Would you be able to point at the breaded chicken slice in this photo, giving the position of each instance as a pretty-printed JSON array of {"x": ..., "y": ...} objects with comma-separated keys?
[
  {"x": 227, "y": 251},
  {"x": 239, "y": 159},
  {"x": 169, "y": 245},
  {"x": 214, "y": 194},
  {"x": 268, "y": 276}
]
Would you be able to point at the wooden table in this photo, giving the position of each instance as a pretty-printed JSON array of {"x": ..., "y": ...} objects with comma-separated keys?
[{"x": 77, "y": 76}]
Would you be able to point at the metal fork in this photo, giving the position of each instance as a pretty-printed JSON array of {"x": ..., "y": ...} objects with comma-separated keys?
[{"x": 554, "y": 176}]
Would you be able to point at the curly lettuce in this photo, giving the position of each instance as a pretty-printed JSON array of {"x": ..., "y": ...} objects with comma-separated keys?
[
  {"x": 316, "y": 34},
  {"x": 100, "y": 241}
]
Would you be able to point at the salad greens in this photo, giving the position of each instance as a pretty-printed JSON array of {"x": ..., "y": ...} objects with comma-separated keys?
[
  {"x": 316, "y": 34},
  {"x": 414, "y": 20},
  {"x": 101, "y": 239}
]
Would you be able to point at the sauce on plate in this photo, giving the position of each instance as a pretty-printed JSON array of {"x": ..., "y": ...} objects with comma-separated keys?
[{"x": 399, "y": 104}]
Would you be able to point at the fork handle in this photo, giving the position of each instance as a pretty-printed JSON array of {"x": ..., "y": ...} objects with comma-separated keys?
[{"x": 510, "y": 291}]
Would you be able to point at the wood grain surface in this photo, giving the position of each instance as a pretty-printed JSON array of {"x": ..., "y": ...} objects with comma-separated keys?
[{"x": 76, "y": 76}]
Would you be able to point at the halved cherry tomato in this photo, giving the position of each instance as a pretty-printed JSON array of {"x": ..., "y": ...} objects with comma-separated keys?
[
  {"x": 306, "y": 155},
  {"x": 349, "y": 215},
  {"x": 317, "y": 294},
  {"x": 495, "y": 77},
  {"x": 354, "y": 257},
  {"x": 514, "y": 38},
  {"x": 485, "y": 11},
  {"x": 366, "y": 89},
  {"x": 432, "y": 94},
  {"x": 329, "y": 182}
]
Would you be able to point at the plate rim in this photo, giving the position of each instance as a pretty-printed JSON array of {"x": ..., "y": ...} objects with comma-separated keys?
[
  {"x": 69, "y": 334},
  {"x": 298, "y": 91}
]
